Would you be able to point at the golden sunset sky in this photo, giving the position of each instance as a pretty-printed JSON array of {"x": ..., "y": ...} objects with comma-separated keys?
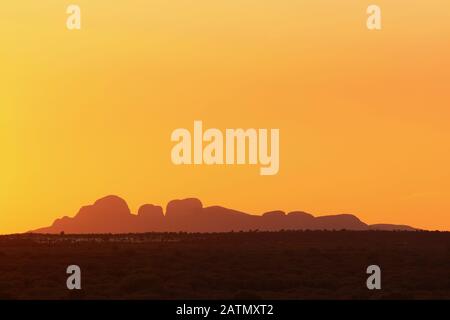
[{"x": 364, "y": 116}]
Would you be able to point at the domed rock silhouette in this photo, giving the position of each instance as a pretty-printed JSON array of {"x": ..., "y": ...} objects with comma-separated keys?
[
  {"x": 274, "y": 214},
  {"x": 149, "y": 214},
  {"x": 273, "y": 220},
  {"x": 185, "y": 207},
  {"x": 151, "y": 211},
  {"x": 340, "y": 221},
  {"x": 111, "y": 214},
  {"x": 107, "y": 215}
]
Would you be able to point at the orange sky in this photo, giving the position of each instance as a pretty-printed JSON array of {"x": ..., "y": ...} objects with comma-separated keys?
[{"x": 363, "y": 115}]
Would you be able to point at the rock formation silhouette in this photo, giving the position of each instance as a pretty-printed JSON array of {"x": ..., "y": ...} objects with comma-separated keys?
[{"x": 111, "y": 214}]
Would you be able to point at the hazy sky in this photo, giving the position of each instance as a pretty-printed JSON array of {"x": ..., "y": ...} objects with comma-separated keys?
[{"x": 363, "y": 115}]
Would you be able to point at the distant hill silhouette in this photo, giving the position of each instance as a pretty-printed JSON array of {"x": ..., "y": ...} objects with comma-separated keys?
[{"x": 111, "y": 214}]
